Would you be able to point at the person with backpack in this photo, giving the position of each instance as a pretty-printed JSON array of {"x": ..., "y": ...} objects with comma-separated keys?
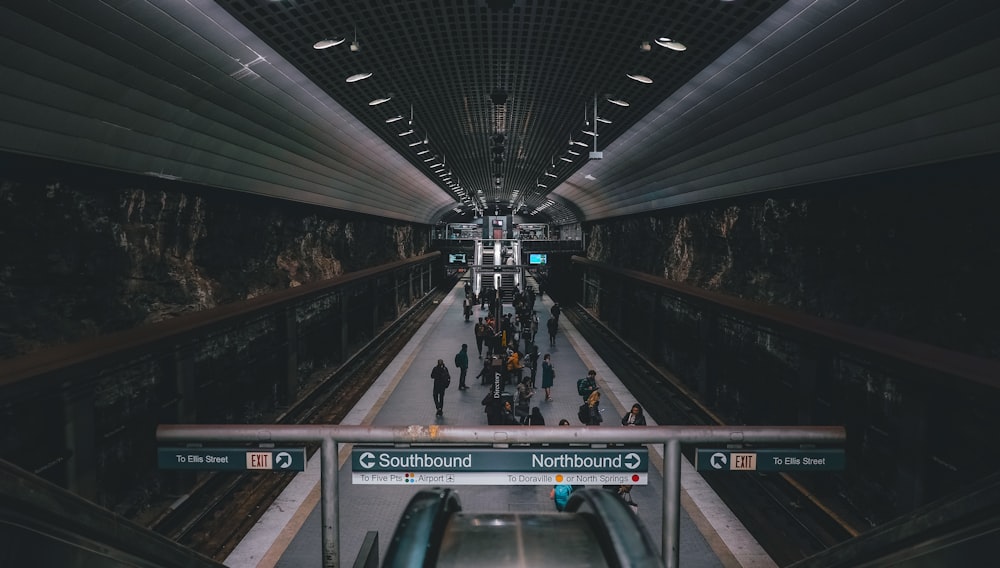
[
  {"x": 462, "y": 362},
  {"x": 560, "y": 496},
  {"x": 587, "y": 384}
]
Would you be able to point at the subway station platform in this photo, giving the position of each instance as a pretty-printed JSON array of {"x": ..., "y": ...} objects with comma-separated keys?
[{"x": 289, "y": 533}]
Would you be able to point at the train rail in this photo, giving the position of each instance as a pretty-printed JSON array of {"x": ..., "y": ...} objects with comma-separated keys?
[
  {"x": 223, "y": 507},
  {"x": 788, "y": 521}
]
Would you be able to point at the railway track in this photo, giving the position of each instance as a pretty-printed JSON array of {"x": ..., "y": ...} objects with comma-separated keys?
[
  {"x": 223, "y": 507},
  {"x": 787, "y": 520}
]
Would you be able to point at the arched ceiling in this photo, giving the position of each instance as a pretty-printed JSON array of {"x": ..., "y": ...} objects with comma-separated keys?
[{"x": 233, "y": 94}]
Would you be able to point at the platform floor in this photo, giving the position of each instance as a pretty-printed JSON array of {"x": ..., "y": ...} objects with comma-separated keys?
[{"x": 288, "y": 535}]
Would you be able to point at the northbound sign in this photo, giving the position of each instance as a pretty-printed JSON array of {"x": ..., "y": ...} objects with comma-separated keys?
[
  {"x": 770, "y": 460},
  {"x": 491, "y": 466},
  {"x": 233, "y": 459}
]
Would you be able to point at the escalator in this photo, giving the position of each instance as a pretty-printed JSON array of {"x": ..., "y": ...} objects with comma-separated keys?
[{"x": 597, "y": 530}]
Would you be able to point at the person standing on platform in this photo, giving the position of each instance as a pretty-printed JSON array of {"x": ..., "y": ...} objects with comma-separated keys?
[
  {"x": 442, "y": 380},
  {"x": 553, "y": 326},
  {"x": 593, "y": 403},
  {"x": 548, "y": 376},
  {"x": 536, "y": 418},
  {"x": 480, "y": 332},
  {"x": 462, "y": 362},
  {"x": 634, "y": 417},
  {"x": 587, "y": 385},
  {"x": 555, "y": 311}
]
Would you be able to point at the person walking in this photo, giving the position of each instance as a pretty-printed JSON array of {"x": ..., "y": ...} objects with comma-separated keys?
[
  {"x": 555, "y": 311},
  {"x": 462, "y": 362},
  {"x": 548, "y": 376},
  {"x": 480, "y": 331},
  {"x": 553, "y": 326},
  {"x": 442, "y": 380}
]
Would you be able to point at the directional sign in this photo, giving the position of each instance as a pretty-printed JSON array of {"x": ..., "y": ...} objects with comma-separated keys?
[
  {"x": 495, "y": 466},
  {"x": 233, "y": 459},
  {"x": 770, "y": 460}
]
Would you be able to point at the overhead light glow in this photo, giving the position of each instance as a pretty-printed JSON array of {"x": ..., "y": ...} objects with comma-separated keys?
[
  {"x": 578, "y": 143},
  {"x": 407, "y": 133},
  {"x": 422, "y": 152},
  {"x": 392, "y": 119},
  {"x": 358, "y": 77},
  {"x": 326, "y": 43},
  {"x": 604, "y": 120},
  {"x": 565, "y": 159},
  {"x": 590, "y": 133},
  {"x": 618, "y": 102},
  {"x": 573, "y": 152},
  {"x": 379, "y": 101},
  {"x": 417, "y": 143},
  {"x": 670, "y": 44},
  {"x": 550, "y": 175},
  {"x": 640, "y": 78}
]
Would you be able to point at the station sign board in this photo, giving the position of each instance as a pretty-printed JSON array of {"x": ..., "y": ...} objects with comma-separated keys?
[
  {"x": 232, "y": 459},
  {"x": 499, "y": 466},
  {"x": 770, "y": 460}
]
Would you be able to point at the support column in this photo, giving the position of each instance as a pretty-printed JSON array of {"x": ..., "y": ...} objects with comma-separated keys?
[
  {"x": 329, "y": 488},
  {"x": 706, "y": 333},
  {"x": 79, "y": 429},
  {"x": 290, "y": 328}
]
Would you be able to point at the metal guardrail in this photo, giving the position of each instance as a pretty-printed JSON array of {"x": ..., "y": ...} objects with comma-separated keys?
[{"x": 330, "y": 436}]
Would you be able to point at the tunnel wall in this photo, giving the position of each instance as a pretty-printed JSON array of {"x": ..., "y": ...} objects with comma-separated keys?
[
  {"x": 908, "y": 253},
  {"x": 85, "y": 252}
]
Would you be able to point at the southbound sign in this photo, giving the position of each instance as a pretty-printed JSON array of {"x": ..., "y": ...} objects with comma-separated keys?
[{"x": 496, "y": 466}]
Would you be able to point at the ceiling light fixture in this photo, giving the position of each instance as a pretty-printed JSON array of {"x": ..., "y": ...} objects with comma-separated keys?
[
  {"x": 327, "y": 43},
  {"x": 573, "y": 152},
  {"x": 417, "y": 143},
  {"x": 639, "y": 78},
  {"x": 577, "y": 143},
  {"x": 550, "y": 175},
  {"x": 602, "y": 119},
  {"x": 358, "y": 77},
  {"x": 565, "y": 159},
  {"x": 392, "y": 119},
  {"x": 589, "y": 132},
  {"x": 380, "y": 100},
  {"x": 422, "y": 152},
  {"x": 670, "y": 44},
  {"x": 407, "y": 133},
  {"x": 618, "y": 102}
]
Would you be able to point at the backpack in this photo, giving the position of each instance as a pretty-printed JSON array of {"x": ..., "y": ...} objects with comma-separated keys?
[
  {"x": 583, "y": 413},
  {"x": 561, "y": 496},
  {"x": 583, "y": 387}
]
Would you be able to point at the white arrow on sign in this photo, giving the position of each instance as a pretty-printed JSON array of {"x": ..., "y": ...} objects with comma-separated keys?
[
  {"x": 718, "y": 460},
  {"x": 629, "y": 463},
  {"x": 367, "y": 460},
  {"x": 283, "y": 460}
]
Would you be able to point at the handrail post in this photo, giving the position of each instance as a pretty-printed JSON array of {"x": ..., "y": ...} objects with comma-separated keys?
[
  {"x": 671, "y": 502},
  {"x": 329, "y": 488}
]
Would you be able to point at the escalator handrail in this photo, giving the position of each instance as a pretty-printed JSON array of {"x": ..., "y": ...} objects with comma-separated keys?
[
  {"x": 622, "y": 535},
  {"x": 417, "y": 538}
]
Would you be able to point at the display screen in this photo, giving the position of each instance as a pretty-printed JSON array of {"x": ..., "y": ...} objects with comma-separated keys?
[
  {"x": 456, "y": 258},
  {"x": 537, "y": 258}
]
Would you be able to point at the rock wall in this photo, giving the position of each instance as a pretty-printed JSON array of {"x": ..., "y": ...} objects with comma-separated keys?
[
  {"x": 911, "y": 253},
  {"x": 85, "y": 252}
]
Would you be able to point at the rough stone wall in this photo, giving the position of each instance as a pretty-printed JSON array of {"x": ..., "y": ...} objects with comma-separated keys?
[
  {"x": 85, "y": 253},
  {"x": 911, "y": 253}
]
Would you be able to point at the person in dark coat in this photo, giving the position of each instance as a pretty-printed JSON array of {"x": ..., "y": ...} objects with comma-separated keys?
[
  {"x": 442, "y": 379},
  {"x": 548, "y": 376},
  {"x": 634, "y": 417},
  {"x": 553, "y": 326},
  {"x": 593, "y": 403},
  {"x": 536, "y": 418},
  {"x": 462, "y": 362}
]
